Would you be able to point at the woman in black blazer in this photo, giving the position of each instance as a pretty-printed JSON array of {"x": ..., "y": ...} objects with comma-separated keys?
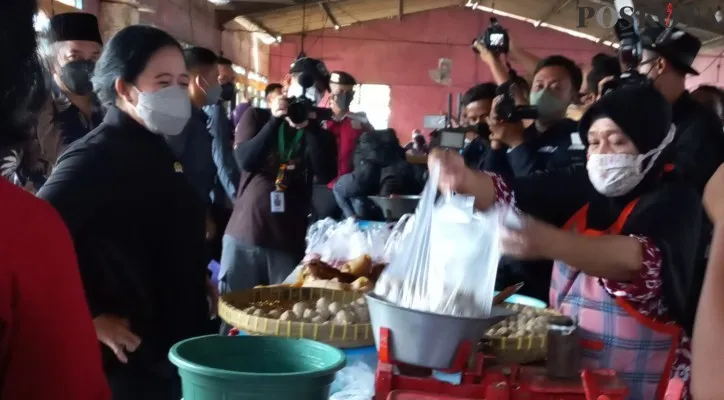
[{"x": 137, "y": 224}]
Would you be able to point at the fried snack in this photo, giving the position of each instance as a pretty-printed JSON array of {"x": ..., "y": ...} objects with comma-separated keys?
[
  {"x": 326, "y": 284},
  {"x": 376, "y": 270},
  {"x": 360, "y": 266},
  {"x": 321, "y": 271},
  {"x": 362, "y": 284}
]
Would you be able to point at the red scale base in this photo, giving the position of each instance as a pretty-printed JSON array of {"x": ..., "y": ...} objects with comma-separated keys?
[{"x": 492, "y": 383}]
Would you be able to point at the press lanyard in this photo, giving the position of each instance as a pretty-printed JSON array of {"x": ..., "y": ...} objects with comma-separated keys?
[{"x": 285, "y": 157}]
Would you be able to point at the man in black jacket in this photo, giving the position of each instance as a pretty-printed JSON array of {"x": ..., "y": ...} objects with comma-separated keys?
[
  {"x": 698, "y": 148},
  {"x": 278, "y": 158},
  {"x": 380, "y": 168},
  {"x": 552, "y": 141}
]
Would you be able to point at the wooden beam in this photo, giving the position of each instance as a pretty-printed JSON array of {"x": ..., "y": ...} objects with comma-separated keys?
[
  {"x": 51, "y": 8},
  {"x": 329, "y": 15},
  {"x": 400, "y": 9},
  {"x": 554, "y": 10}
]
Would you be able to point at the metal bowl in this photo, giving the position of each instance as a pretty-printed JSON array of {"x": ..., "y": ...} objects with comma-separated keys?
[
  {"x": 425, "y": 339},
  {"x": 394, "y": 207}
]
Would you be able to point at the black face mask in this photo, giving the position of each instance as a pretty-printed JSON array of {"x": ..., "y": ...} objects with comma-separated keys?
[
  {"x": 76, "y": 76},
  {"x": 482, "y": 129},
  {"x": 227, "y": 92}
]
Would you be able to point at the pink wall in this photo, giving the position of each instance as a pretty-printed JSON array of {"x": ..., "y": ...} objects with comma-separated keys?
[{"x": 400, "y": 54}]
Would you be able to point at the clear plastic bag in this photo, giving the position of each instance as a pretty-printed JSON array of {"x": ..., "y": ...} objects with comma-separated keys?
[
  {"x": 448, "y": 262},
  {"x": 354, "y": 382},
  {"x": 335, "y": 243}
]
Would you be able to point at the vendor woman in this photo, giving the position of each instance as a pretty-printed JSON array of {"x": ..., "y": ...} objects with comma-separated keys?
[{"x": 620, "y": 234}]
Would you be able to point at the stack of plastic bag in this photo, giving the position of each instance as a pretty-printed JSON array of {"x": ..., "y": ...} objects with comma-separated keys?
[
  {"x": 335, "y": 243},
  {"x": 448, "y": 261}
]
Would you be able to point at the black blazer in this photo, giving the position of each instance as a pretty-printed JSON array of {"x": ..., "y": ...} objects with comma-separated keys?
[{"x": 139, "y": 233}]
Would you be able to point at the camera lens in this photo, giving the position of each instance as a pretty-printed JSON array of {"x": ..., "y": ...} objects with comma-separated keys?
[{"x": 297, "y": 112}]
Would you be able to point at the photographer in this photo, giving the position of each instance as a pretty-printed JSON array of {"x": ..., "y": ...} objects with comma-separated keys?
[
  {"x": 477, "y": 102},
  {"x": 264, "y": 239},
  {"x": 552, "y": 141}
]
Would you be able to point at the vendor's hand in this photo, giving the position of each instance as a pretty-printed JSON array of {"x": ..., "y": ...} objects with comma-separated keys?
[
  {"x": 507, "y": 133},
  {"x": 279, "y": 106},
  {"x": 454, "y": 174},
  {"x": 531, "y": 242},
  {"x": 114, "y": 332},
  {"x": 213, "y": 293}
]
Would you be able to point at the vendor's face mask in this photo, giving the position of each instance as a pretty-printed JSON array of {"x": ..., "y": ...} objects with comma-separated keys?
[
  {"x": 616, "y": 174},
  {"x": 165, "y": 111},
  {"x": 549, "y": 106}
]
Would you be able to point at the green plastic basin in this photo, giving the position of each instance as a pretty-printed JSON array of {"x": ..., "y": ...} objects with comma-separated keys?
[{"x": 255, "y": 367}]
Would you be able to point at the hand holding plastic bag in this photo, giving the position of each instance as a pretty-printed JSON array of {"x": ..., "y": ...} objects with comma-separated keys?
[{"x": 448, "y": 263}]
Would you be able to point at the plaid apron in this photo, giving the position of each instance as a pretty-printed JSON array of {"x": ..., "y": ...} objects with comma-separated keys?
[{"x": 640, "y": 349}]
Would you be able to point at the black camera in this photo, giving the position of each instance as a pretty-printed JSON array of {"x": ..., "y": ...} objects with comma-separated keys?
[
  {"x": 507, "y": 110},
  {"x": 630, "y": 53},
  {"x": 300, "y": 107},
  {"x": 495, "y": 38}
]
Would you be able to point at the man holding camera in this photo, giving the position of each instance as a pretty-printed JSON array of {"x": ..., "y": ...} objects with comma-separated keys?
[
  {"x": 347, "y": 127},
  {"x": 278, "y": 155},
  {"x": 552, "y": 141}
]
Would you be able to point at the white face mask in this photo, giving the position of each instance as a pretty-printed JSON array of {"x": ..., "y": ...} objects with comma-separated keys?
[
  {"x": 614, "y": 175},
  {"x": 296, "y": 90},
  {"x": 165, "y": 111}
]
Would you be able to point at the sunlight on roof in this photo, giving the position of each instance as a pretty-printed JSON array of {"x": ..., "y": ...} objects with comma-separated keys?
[{"x": 537, "y": 23}]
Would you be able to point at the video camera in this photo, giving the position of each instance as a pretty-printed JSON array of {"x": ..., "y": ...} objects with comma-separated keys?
[
  {"x": 630, "y": 53},
  {"x": 506, "y": 109},
  {"x": 300, "y": 107},
  {"x": 495, "y": 38}
]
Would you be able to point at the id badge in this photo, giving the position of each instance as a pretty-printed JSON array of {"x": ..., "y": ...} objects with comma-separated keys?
[{"x": 277, "y": 202}]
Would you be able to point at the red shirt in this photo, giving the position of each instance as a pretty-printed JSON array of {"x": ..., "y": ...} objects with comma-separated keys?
[
  {"x": 48, "y": 347},
  {"x": 346, "y": 131}
]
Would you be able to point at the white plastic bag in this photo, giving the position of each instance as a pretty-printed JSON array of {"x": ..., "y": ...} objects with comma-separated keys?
[
  {"x": 354, "y": 382},
  {"x": 449, "y": 261},
  {"x": 335, "y": 243}
]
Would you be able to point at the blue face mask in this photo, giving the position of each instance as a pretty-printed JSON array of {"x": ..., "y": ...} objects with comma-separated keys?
[{"x": 549, "y": 106}]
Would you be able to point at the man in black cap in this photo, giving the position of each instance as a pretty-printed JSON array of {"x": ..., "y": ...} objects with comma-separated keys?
[
  {"x": 347, "y": 127},
  {"x": 72, "y": 111},
  {"x": 667, "y": 58},
  {"x": 699, "y": 144},
  {"x": 278, "y": 150}
]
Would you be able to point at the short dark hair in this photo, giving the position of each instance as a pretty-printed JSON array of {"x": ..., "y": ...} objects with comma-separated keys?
[
  {"x": 223, "y": 61},
  {"x": 23, "y": 88},
  {"x": 483, "y": 91},
  {"x": 126, "y": 56},
  {"x": 574, "y": 73},
  {"x": 270, "y": 88},
  {"x": 602, "y": 65},
  {"x": 199, "y": 57}
]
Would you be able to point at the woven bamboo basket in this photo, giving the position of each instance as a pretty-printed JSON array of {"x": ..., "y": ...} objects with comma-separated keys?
[
  {"x": 519, "y": 350},
  {"x": 341, "y": 336}
]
